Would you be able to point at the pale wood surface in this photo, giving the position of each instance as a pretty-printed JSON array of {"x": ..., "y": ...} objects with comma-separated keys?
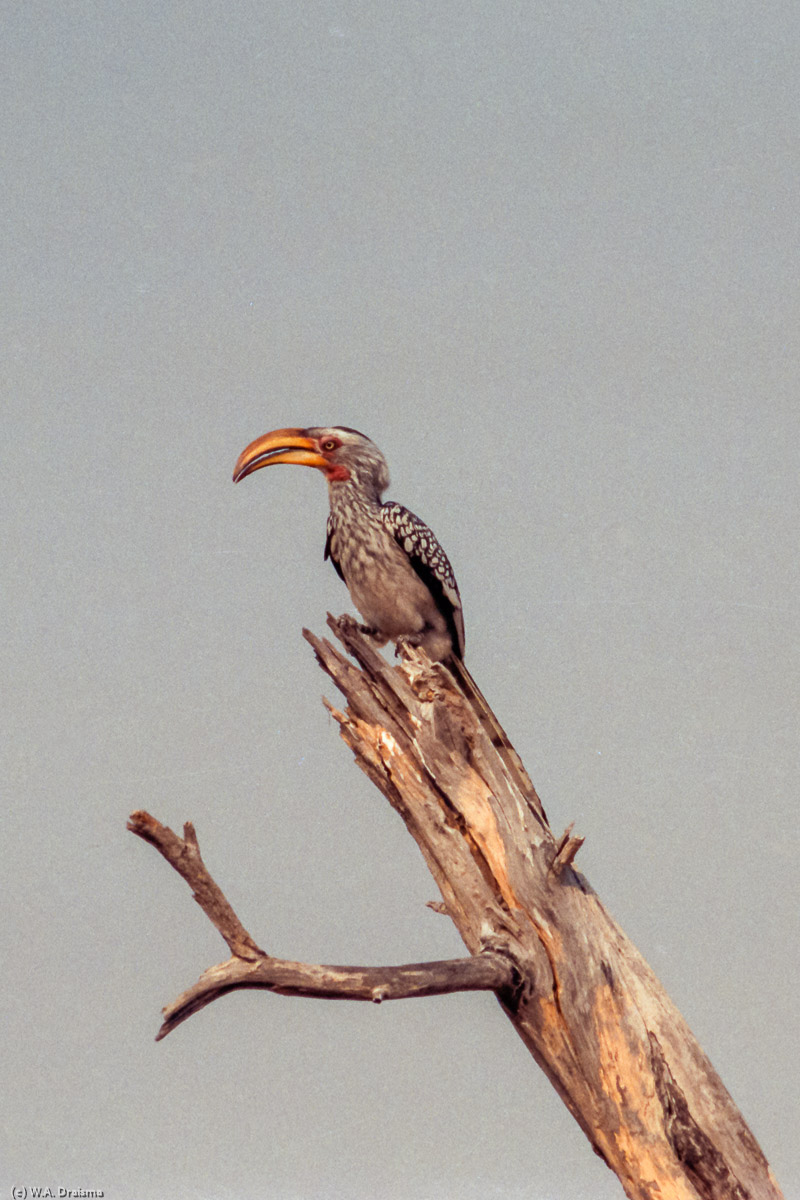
[{"x": 583, "y": 1000}]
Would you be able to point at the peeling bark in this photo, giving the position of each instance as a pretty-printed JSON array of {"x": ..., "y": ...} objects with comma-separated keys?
[
  {"x": 585, "y": 1003},
  {"x": 588, "y": 1007}
]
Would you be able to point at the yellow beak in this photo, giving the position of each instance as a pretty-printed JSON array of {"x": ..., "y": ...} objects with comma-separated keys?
[{"x": 279, "y": 446}]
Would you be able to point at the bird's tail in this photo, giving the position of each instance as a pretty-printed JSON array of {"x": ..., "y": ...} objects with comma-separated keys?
[{"x": 496, "y": 734}]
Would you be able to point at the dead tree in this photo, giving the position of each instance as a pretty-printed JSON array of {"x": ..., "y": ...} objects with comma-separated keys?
[{"x": 581, "y": 997}]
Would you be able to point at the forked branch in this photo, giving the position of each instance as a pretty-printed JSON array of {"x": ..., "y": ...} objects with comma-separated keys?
[
  {"x": 585, "y": 1003},
  {"x": 251, "y": 967}
]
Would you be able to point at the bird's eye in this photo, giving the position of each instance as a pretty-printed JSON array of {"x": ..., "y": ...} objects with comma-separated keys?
[{"x": 328, "y": 444}]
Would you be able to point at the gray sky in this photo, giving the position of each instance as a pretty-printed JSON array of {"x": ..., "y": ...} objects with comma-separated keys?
[{"x": 546, "y": 256}]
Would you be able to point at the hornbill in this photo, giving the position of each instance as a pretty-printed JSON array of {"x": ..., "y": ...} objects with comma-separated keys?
[{"x": 398, "y": 576}]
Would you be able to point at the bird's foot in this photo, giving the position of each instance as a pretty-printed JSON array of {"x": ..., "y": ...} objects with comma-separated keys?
[
  {"x": 404, "y": 644},
  {"x": 349, "y": 622}
]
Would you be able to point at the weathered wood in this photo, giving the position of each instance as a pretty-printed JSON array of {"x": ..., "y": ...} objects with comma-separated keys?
[
  {"x": 184, "y": 855},
  {"x": 589, "y": 1008},
  {"x": 251, "y": 967},
  {"x": 486, "y": 972},
  {"x": 581, "y": 997}
]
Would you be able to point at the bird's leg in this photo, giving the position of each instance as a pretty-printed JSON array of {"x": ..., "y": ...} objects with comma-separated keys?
[
  {"x": 350, "y": 622},
  {"x": 409, "y": 641}
]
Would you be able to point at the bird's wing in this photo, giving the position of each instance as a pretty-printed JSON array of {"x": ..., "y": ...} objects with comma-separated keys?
[
  {"x": 431, "y": 564},
  {"x": 328, "y": 549}
]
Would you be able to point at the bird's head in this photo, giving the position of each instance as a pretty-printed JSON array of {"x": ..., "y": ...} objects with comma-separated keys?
[{"x": 342, "y": 454}]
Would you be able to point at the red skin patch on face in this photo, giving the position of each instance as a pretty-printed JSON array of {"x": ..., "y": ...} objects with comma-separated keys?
[{"x": 336, "y": 473}]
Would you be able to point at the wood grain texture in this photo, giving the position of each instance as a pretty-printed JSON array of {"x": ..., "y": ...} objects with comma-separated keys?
[
  {"x": 585, "y": 1003},
  {"x": 589, "y": 1008}
]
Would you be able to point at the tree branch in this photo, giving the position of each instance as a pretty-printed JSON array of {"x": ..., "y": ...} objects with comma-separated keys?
[
  {"x": 251, "y": 967},
  {"x": 184, "y": 855},
  {"x": 588, "y": 1008},
  {"x": 583, "y": 1000}
]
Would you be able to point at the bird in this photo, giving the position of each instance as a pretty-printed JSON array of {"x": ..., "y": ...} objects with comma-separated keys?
[{"x": 398, "y": 576}]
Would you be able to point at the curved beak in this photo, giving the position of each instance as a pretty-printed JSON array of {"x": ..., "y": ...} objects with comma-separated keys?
[{"x": 279, "y": 446}]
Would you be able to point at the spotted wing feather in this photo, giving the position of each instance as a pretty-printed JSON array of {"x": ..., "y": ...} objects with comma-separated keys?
[{"x": 431, "y": 564}]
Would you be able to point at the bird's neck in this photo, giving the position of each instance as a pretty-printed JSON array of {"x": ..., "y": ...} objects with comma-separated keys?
[{"x": 350, "y": 501}]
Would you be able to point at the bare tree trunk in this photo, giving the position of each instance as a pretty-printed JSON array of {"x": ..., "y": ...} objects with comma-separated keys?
[{"x": 579, "y": 994}]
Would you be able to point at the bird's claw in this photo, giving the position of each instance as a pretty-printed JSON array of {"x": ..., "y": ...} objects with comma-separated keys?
[
  {"x": 404, "y": 644},
  {"x": 349, "y": 622}
]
